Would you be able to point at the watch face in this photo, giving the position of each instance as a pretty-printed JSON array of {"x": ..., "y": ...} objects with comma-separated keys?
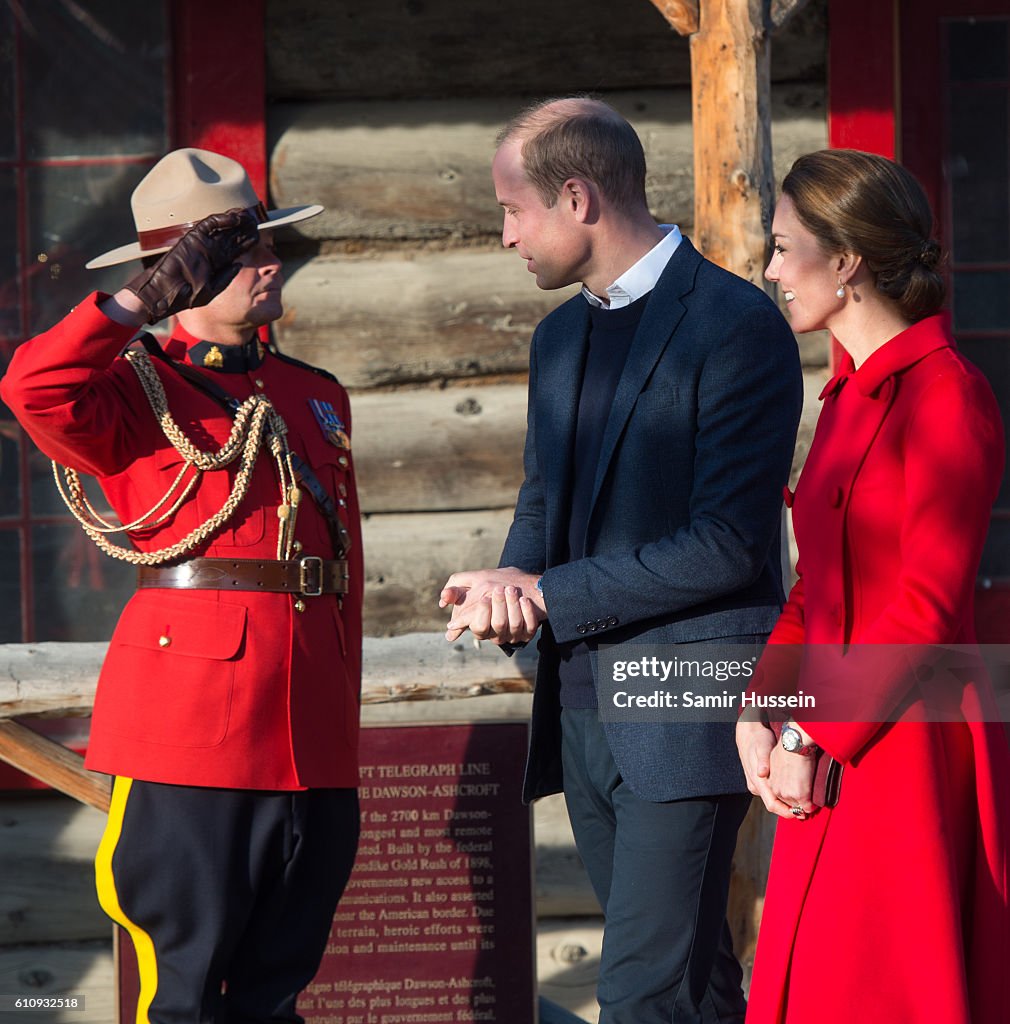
[{"x": 791, "y": 739}]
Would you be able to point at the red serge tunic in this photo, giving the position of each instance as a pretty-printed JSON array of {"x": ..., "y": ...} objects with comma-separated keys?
[
  {"x": 892, "y": 906},
  {"x": 247, "y": 692}
]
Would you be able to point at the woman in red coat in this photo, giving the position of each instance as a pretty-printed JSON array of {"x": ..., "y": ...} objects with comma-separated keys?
[{"x": 892, "y": 904}]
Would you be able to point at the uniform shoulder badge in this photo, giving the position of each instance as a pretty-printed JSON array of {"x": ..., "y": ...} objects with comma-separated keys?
[{"x": 330, "y": 423}]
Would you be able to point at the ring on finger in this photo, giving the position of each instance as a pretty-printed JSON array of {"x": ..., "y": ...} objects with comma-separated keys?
[{"x": 797, "y": 811}]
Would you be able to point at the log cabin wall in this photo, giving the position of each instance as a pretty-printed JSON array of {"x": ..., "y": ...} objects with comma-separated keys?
[{"x": 386, "y": 113}]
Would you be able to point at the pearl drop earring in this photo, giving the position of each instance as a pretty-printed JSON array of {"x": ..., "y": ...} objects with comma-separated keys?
[{"x": 841, "y": 289}]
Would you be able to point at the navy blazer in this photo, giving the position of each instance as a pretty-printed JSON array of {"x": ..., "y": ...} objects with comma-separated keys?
[{"x": 683, "y": 531}]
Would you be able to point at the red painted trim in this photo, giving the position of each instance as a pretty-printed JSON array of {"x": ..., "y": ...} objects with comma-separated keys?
[
  {"x": 861, "y": 58},
  {"x": 220, "y": 84}
]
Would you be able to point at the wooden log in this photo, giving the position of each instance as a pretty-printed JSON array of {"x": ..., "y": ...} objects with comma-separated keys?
[
  {"x": 427, "y": 450},
  {"x": 568, "y": 963},
  {"x": 394, "y": 320},
  {"x": 409, "y": 556},
  {"x": 52, "y": 763},
  {"x": 389, "y": 49},
  {"x": 83, "y": 968},
  {"x": 783, "y": 10},
  {"x": 731, "y": 65},
  {"x": 420, "y": 169},
  {"x": 46, "y": 863},
  {"x": 410, "y": 667},
  {"x": 682, "y": 15}
]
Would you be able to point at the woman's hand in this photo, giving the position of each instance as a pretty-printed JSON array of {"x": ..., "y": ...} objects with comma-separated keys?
[
  {"x": 782, "y": 780},
  {"x": 791, "y": 783}
]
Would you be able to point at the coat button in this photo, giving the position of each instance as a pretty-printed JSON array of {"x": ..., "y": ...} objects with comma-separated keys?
[
  {"x": 164, "y": 641},
  {"x": 836, "y": 497},
  {"x": 299, "y": 605},
  {"x": 344, "y": 462},
  {"x": 258, "y": 383},
  {"x": 296, "y": 546},
  {"x": 612, "y": 620},
  {"x": 580, "y": 628}
]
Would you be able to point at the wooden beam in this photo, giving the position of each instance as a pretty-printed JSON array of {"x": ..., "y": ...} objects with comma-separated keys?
[
  {"x": 53, "y": 764},
  {"x": 783, "y": 10},
  {"x": 681, "y": 14},
  {"x": 730, "y": 61}
]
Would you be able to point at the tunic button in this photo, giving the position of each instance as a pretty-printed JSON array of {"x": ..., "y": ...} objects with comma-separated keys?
[
  {"x": 343, "y": 461},
  {"x": 296, "y": 546},
  {"x": 164, "y": 641},
  {"x": 258, "y": 382},
  {"x": 836, "y": 497},
  {"x": 299, "y": 605}
]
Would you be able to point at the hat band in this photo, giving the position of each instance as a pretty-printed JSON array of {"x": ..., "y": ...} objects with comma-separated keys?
[{"x": 160, "y": 237}]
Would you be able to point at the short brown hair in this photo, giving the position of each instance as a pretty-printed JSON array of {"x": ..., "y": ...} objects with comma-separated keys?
[
  {"x": 579, "y": 137},
  {"x": 868, "y": 205}
]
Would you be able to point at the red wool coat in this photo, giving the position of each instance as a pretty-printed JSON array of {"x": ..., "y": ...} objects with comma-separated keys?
[
  {"x": 892, "y": 906},
  {"x": 249, "y": 693}
]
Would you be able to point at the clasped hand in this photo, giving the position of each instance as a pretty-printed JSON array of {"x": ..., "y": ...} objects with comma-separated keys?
[
  {"x": 501, "y": 605},
  {"x": 782, "y": 780}
]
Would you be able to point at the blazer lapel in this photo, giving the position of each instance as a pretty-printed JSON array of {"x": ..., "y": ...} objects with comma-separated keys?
[
  {"x": 660, "y": 320},
  {"x": 560, "y": 366}
]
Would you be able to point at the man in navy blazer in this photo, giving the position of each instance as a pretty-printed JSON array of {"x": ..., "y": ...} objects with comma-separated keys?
[{"x": 663, "y": 406}]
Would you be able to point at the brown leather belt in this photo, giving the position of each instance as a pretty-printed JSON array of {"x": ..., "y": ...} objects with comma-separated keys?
[{"x": 309, "y": 576}]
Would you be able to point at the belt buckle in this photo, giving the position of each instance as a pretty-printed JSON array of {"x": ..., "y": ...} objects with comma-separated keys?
[{"x": 305, "y": 565}]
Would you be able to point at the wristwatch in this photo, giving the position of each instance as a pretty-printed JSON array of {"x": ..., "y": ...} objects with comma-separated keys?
[{"x": 792, "y": 740}]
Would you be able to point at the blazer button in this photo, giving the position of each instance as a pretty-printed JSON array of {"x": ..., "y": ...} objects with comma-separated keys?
[
  {"x": 602, "y": 623},
  {"x": 612, "y": 620},
  {"x": 836, "y": 497},
  {"x": 580, "y": 628}
]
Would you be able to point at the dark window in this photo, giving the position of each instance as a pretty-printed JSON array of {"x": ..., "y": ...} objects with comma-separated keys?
[
  {"x": 976, "y": 164},
  {"x": 84, "y": 113}
]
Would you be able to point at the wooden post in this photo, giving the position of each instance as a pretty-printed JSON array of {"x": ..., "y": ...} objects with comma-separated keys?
[
  {"x": 731, "y": 93},
  {"x": 53, "y": 764}
]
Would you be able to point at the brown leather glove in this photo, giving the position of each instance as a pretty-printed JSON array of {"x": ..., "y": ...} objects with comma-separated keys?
[{"x": 198, "y": 267}]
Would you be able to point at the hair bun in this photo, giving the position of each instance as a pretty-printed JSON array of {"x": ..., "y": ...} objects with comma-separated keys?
[{"x": 929, "y": 254}]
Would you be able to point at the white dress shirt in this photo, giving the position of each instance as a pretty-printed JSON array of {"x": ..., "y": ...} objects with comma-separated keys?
[{"x": 640, "y": 278}]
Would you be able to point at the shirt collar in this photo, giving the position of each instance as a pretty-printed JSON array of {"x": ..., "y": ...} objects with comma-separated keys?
[
  {"x": 224, "y": 358},
  {"x": 641, "y": 277}
]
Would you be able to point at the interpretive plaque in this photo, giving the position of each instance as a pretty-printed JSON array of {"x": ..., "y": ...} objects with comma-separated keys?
[{"x": 436, "y": 925}]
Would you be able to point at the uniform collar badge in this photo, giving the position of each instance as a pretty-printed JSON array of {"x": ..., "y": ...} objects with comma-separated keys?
[
  {"x": 213, "y": 358},
  {"x": 228, "y": 358},
  {"x": 330, "y": 424}
]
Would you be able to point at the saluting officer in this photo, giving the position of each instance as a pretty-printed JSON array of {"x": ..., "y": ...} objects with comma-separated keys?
[{"x": 227, "y": 707}]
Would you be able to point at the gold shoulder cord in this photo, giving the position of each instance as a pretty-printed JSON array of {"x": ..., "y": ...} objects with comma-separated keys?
[{"x": 256, "y": 422}]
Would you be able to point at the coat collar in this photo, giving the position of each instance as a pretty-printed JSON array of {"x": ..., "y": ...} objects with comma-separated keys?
[
  {"x": 223, "y": 358},
  {"x": 894, "y": 356}
]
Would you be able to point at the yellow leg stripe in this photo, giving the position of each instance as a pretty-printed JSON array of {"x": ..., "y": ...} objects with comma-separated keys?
[{"x": 109, "y": 899}]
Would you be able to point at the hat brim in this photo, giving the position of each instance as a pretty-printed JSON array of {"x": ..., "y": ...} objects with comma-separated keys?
[{"x": 125, "y": 253}]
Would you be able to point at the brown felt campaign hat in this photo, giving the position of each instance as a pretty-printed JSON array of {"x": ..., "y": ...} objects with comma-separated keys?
[{"x": 183, "y": 187}]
